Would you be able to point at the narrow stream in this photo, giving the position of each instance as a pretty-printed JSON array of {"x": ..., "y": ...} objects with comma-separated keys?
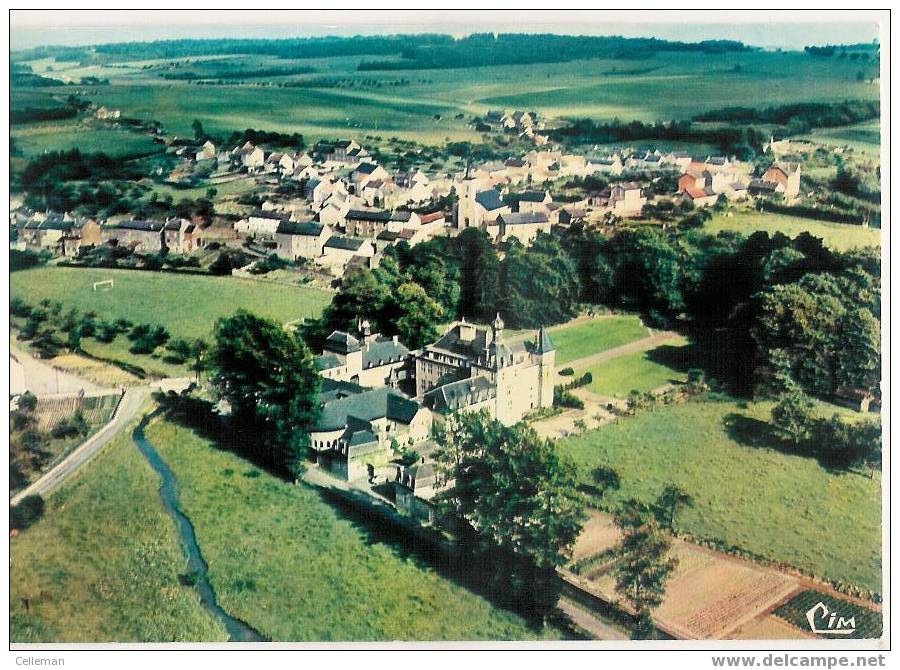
[{"x": 238, "y": 631}]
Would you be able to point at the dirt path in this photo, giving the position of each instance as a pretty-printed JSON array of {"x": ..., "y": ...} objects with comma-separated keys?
[
  {"x": 615, "y": 352},
  {"x": 43, "y": 379},
  {"x": 590, "y": 623}
]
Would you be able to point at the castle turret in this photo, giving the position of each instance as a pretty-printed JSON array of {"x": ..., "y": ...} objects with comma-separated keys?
[{"x": 546, "y": 355}]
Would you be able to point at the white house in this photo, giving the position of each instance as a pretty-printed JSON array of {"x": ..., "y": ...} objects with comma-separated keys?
[{"x": 301, "y": 240}]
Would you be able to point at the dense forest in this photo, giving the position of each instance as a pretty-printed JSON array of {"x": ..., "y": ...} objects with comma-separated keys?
[
  {"x": 512, "y": 49},
  {"x": 418, "y": 51}
]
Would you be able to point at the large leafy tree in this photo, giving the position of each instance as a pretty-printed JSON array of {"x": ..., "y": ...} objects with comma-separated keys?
[
  {"x": 643, "y": 564},
  {"x": 479, "y": 274},
  {"x": 516, "y": 501},
  {"x": 268, "y": 378},
  {"x": 859, "y": 356},
  {"x": 388, "y": 298},
  {"x": 539, "y": 284}
]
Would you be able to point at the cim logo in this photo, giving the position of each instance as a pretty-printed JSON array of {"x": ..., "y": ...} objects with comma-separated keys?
[{"x": 833, "y": 624}]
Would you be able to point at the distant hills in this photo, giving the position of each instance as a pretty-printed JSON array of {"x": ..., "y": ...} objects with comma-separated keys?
[{"x": 425, "y": 51}]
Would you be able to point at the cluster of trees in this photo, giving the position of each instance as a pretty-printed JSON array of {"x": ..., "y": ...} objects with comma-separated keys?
[
  {"x": 37, "y": 114},
  {"x": 482, "y": 49},
  {"x": 746, "y": 286},
  {"x": 23, "y": 260},
  {"x": 115, "y": 256},
  {"x": 145, "y": 339},
  {"x": 267, "y": 377},
  {"x": 738, "y": 137},
  {"x": 836, "y": 442},
  {"x": 308, "y": 47},
  {"x": 514, "y": 504},
  {"x": 293, "y": 140},
  {"x": 740, "y": 140},
  {"x": 237, "y": 74},
  {"x": 855, "y": 51},
  {"x": 393, "y": 301},
  {"x": 49, "y": 328},
  {"x": 55, "y": 167},
  {"x": 163, "y": 207},
  {"x": 70, "y": 110},
  {"x": 28, "y": 445},
  {"x": 67, "y": 181},
  {"x": 800, "y": 117},
  {"x": 823, "y": 330},
  {"x": 750, "y": 287},
  {"x": 416, "y": 288},
  {"x": 21, "y": 76}
]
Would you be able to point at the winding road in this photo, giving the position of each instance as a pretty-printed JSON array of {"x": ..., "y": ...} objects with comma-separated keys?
[
  {"x": 44, "y": 380},
  {"x": 127, "y": 408}
]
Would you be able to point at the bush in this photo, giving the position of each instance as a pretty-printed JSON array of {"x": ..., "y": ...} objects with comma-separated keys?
[
  {"x": 27, "y": 512},
  {"x": 27, "y": 402},
  {"x": 563, "y": 398},
  {"x": 566, "y": 372},
  {"x": 73, "y": 426}
]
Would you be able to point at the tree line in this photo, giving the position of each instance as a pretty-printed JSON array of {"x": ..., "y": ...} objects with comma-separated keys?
[{"x": 740, "y": 139}]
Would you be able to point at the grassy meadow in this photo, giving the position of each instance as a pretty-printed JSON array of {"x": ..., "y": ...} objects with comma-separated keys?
[
  {"x": 654, "y": 366},
  {"x": 584, "y": 338},
  {"x": 837, "y": 236},
  {"x": 186, "y": 305},
  {"x": 102, "y": 565},
  {"x": 290, "y": 565},
  {"x": 39, "y": 138},
  {"x": 747, "y": 494}
]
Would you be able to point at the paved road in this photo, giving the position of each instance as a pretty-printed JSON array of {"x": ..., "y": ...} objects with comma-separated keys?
[
  {"x": 127, "y": 408},
  {"x": 43, "y": 379}
]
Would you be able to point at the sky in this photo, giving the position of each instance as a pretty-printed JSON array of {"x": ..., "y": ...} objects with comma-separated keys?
[{"x": 789, "y": 30}]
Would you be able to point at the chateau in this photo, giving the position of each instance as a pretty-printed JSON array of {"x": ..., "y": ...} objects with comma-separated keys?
[
  {"x": 472, "y": 368},
  {"x": 366, "y": 416}
]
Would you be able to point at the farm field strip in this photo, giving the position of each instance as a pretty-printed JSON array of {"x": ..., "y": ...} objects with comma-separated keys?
[{"x": 186, "y": 305}]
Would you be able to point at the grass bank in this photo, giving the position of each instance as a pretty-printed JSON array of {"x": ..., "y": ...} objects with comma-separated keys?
[
  {"x": 102, "y": 565},
  {"x": 289, "y": 564}
]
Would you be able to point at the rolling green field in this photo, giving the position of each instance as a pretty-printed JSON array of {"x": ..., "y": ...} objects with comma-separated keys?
[
  {"x": 36, "y": 139},
  {"x": 186, "y": 305},
  {"x": 338, "y": 100},
  {"x": 863, "y": 137},
  {"x": 291, "y": 566},
  {"x": 786, "y": 508},
  {"x": 589, "y": 337},
  {"x": 642, "y": 370},
  {"x": 837, "y": 236},
  {"x": 107, "y": 559}
]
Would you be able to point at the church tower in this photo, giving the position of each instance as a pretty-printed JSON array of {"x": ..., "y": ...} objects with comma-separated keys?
[{"x": 465, "y": 205}]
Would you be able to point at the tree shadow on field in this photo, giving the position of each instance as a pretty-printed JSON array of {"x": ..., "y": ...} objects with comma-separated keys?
[
  {"x": 376, "y": 522},
  {"x": 714, "y": 351},
  {"x": 749, "y": 431}
]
